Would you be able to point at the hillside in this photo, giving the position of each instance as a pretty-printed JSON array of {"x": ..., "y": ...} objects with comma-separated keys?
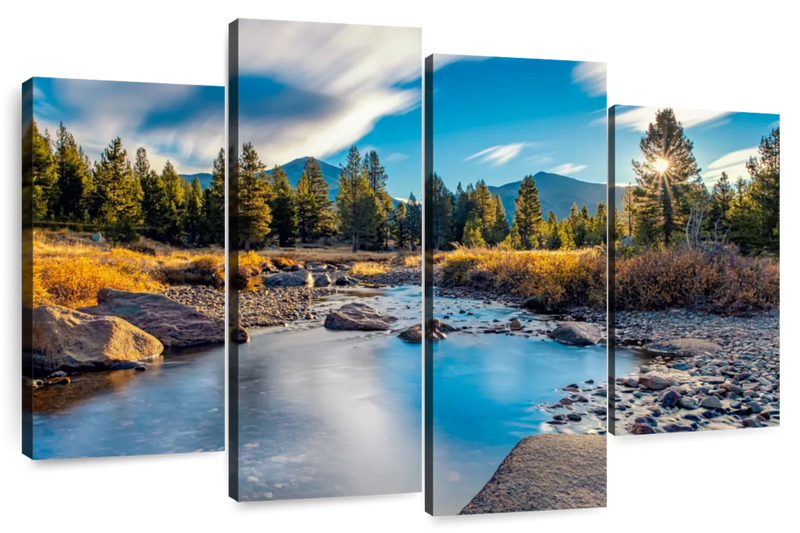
[
  {"x": 294, "y": 169},
  {"x": 557, "y": 194},
  {"x": 204, "y": 177}
]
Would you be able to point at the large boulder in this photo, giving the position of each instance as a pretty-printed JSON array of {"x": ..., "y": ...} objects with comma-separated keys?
[
  {"x": 298, "y": 278},
  {"x": 547, "y": 472},
  {"x": 176, "y": 325},
  {"x": 440, "y": 330},
  {"x": 655, "y": 382},
  {"x": 65, "y": 339},
  {"x": 683, "y": 347},
  {"x": 576, "y": 334},
  {"x": 322, "y": 280},
  {"x": 357, "y": 316},
  {"x": 345, "y": 281}
]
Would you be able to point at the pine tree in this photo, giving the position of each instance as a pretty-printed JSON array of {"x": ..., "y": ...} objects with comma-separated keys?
[
  {"x": 500, "y": 228},
  {"x": 194, "y": 211},
  {"x": 765, "y": 172},
  {"x": 45, "y": 176},
  {"x": 628, "y": 211},
  {"x": 174, "y": 203},
  {"x": 744, "y": 219},
  {"x": 117, "y": 197},
  {"x": 598, "y": 234},
  {"x": 441, "y": 203},
  {"x": 663, "y": 178},
  {"x": 214, "y": 203},
  {"x": 529, "y": 214},
  {"x": 721, "y": 199},
  {"x": 308, "y": 214},
  {"x": 473, "y": 233},
  {"x": 282, "y": 205},
  {"x": 154, "y": 197},
  {"x": 414, "y": 220},
  {"x": 255, "y": 193},
  {"x": 553, "y": 235},
  {"x": 356, "y": 204},
  {"x": 399, "y": 227},
  {"x": 376, "y": 174},
  {"x": 324, "y": 213},
  {"x": 484, "y": 208},
  {"x": 73, "y": 180},
  {"x": 461, "y": 212}
]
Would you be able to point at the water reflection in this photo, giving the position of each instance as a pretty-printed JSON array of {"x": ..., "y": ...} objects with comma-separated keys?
[
  {"x": 332, "y": 413},
  {"x": 485, "y": 389},
  {"x": 176, "y": 406}
]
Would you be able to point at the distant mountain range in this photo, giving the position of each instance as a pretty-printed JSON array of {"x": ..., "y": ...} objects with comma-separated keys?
[
  {"x": 204, "y": 177},
  {"x": 557, "y": 194},
  {"x": 294, "y": 169}
]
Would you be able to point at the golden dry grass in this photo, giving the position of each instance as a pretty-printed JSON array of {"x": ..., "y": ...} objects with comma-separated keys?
[
  {"x": 722, "y": 282},
  {"x": 369, "y": 269},
  {"x": 68, "y": 269}
]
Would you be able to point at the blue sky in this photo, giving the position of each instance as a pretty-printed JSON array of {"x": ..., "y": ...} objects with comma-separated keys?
[
  {"x": 723, "y": 140},
  {"x": 314, "y": 89},
  {"x": 182, "y": 123},
  {"x": 499, "y": 119}
]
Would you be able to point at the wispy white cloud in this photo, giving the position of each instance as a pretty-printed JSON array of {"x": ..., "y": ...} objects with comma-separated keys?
[
  {"x": 567, "y": 169},
  {"x": 96, "y": 112},
  {"x": 395, "y": 157},
  {"x": 734, "y": 164},
  {"x": 541, "y": 158},
  {"x": 591, "y": 77},
  {"x": 640, "y": 118},
  {"x": 442, "y": 60},
  {"x": 717, "y": 124},
  {"x": 341, "y": 79},
  {"x": 500, "y": 154}
]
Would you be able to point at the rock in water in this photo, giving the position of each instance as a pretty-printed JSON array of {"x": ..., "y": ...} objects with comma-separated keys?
[
  {"x": 322, "y": 280},
  {"x": 344, "y": 281},
  {"x": 576, "y": 334},
  {"x": 174, "y": 324},
  {"x": 242, "y": 335},
  {"x": 684, "y": 347},
  {"x": 515, "y": 325},
  {"x": 297, "y": 278},
  {"x": 546, "y": 472},
  {"x": 357, "y": 316},
  {"x": 413, "y": 334},
  {"x": 70, "y": 340}
]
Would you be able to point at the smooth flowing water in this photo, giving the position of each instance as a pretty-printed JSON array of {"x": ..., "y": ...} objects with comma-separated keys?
[
  {"x": 176, "y": 406},
  {"x": 485, "y": 390},
  {"x": 332, "y": 413}
]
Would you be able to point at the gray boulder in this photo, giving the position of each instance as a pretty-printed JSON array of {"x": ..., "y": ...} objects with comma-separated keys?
[
  {"x": 322, "y": 280},
  {"x": 683, "y": 347},
  {"x": 98, "y": 237},
  {"x": 298, "y": 278},
  {"x": 358, "y": 316},
  {"x": 576, "y": 334},
  {"x": 413, "y": 335}
]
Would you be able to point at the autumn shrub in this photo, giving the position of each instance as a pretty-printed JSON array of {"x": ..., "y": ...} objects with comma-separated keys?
[
  {"x": 412, "y": 261},
  {"x": 722, "y": 282},
  {"x": 280, "y": 261}
]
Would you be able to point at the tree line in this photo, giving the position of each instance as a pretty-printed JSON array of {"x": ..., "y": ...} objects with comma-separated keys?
[
  {"x": 669, "y": 204},
  {"x": 473, "y": 217},
  {"x": 124, "y": 199}
]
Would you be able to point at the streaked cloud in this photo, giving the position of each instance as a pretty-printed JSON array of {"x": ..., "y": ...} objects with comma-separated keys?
[
  {"x": 591, "y": 77},
  {"x": 330, "y": 84},
  {"x": 734, "y": 164},
  {"x": 182, "y": 123},
  {"x": 640, "y": 118},
  {"x": 500, "y": 154},
  {"x": 442, "y": 60},
  {"x": 567, "y": 169}
]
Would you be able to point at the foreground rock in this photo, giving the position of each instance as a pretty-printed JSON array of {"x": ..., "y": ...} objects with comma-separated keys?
[
  {"x": 683, "y": 347},
  {"x": 65, "y": 339},
  {"x": 296, "y": 278},
  {"x": 413, "y": 335},
  {"x": 576, "y": 334},
  {"x": 176, "y": 325},
  {"x": 545, "y": 472},
  {"x": 357, "y": 316}
]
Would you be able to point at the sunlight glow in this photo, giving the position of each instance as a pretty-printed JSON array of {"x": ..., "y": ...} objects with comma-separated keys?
[{"x": 661, "y": 165}]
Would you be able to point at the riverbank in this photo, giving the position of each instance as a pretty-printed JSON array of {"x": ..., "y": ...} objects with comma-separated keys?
[{"x": 735, "y": 382}]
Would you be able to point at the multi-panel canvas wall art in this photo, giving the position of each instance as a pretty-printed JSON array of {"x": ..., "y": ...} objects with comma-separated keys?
[
  {"x": 695, "y": 284},
  {"x": 325, "y": 232},
  {"x": 123, "y": 268},
  {"x": 515, "y": 225}
]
